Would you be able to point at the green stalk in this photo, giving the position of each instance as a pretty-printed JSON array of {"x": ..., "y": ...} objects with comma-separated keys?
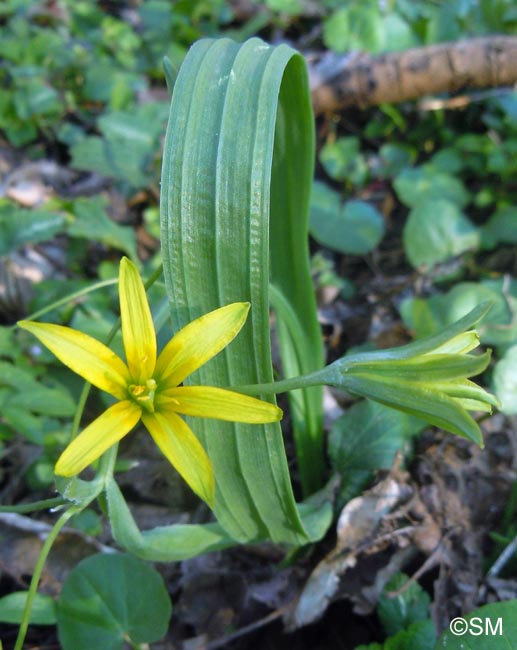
[
  {"x": 317, "y": 378},
  {"x": 71, "y": 296},
  {"x": 104, "y": 473},
  {"x": 45, "y": 504},
  {"x": 38, "y": 570}
]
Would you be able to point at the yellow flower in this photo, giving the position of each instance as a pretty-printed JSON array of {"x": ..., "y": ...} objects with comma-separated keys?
[{"x": 148, "y": 388}]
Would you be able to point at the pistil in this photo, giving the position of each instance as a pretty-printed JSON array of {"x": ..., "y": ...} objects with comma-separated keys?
[{"x": 143, "y": 395}]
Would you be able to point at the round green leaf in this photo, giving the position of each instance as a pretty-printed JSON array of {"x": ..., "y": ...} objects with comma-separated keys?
[
  {"x": 428, "y": 316},
  {"x": 496, "y": 327},
  {"x": 448, "y": 160},
  {"x": 437, "y": 230},
  {"x": 505, "y": 381},
  {"x": 43, "y": 611},
  {"x": 110, "y": 598},
  {"x": 365, "y": 439},
  {"x": 393, "y": 158},
  {"x": 398, "y": 34},
  {"x": 417, "y": 185},
  {"x": 292, "y": 7},
  {"x": 500, "y": 228},
  {"x": 19, "y": 226},
  {"x": 491, "y": 627},
  {"x": 411, "y": 604},
  {"x": 443, "y": 25},
  {"x": 355, "y": 228},
  {"x": 342, "y": 160},
  {"x": 354, "y": 28}
]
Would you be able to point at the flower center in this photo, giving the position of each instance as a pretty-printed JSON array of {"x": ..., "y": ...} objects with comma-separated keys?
[{"x": 143, "y": 395}]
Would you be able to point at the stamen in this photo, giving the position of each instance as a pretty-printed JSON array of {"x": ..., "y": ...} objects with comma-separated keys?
[{"x": 144, "y": 395}]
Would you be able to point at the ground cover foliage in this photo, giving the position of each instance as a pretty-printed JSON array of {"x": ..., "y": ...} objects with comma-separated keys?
[{"x": 413, "y": 223}]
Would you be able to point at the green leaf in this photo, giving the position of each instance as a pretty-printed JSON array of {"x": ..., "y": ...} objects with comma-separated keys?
[
  {"x": 448, "y": 160},
  {"x": 94, "y": 154},
  {"x": 93, "y": 223},
  {"x": 356, "y": 27},
  {"x": 366, "y": 439},
  {"x": 501, "y": 228},
  {"x": 238, "y": 165},
  {"x": 417, "y": 185},
  {"x": 14, "y": 376},
  {"x": 429, "y": 316},
  {"x": 393, "y": 158},
  {"x": 129, "y": 143},
  {"x": 504, "y": 381},
  {"x": 106, "y": 82},
  {"x": 443, "y": 25},
  {"x": 28, "y": 394},
  {"x": 163, "y": 544},
  {"x": 342, "y": 160},
  {"x": 491, "y": 627},
  {"x": 418, "y": 636},
  {"x": 43, "y": 610},
  {"x": 409, "y": 606},
  {"x": 19, "y": 226},
  {"x": 355, "y": 228},
  {"x": 45, "y": 401},
  {"x": 497, "y": 326},
  {"x": 421, "y": 316},
  {"x": 292, "y": 7},
  {"x": 109, "y": 599},
  {"x": 398, "y": 34},
  {"x": 435, "y": 231},
  {"x": 36, "y": 98}
]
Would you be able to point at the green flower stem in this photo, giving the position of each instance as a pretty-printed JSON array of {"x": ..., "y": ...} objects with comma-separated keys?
[
  {"x": 35, "y": 505},
  {"x": 107, "y": 465},
  {"x": 428, "y": 379},
  {"x": 72, "y": 296},
  {"x": 104, "y": 473},
  {"x": 331, "y": 375},
  {"x": 38, "y": 569},
  {"x": 303, "y": 381}
]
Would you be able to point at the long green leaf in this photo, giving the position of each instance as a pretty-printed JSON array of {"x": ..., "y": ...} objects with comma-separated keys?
[{"x": 237, "y": 170}]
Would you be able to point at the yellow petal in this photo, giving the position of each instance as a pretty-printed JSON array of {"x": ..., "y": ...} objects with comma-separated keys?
[
  {"x": 218, "y": 403},
  {"x": 180, "y": 446},
  {"x": 459, "y": 344},
  {"x": 138, "y": 331},
  {"x": 99, "y": 436},
  {"x": 84, "y": 355},
  {"x": 199, "y": 341}
]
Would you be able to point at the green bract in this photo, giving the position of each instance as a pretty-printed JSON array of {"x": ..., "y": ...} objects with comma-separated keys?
[{"x": 428, "y": 378}]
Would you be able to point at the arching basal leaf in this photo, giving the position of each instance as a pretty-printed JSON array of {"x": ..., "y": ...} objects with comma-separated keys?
[{"x": 237, "y": 172}]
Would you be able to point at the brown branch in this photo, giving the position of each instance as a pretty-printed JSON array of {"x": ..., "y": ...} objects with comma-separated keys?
[{"x": 362, "y": 80}]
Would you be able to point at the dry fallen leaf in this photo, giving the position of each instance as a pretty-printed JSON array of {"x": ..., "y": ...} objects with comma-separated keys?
[{"x": 356, "y": 532}]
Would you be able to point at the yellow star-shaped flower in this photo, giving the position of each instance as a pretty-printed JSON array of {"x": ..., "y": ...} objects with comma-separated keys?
[{"x": 148, "y": 387}]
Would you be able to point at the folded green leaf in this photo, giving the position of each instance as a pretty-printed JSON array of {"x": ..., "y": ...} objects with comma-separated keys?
[{"x": 237, "y": 173}]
